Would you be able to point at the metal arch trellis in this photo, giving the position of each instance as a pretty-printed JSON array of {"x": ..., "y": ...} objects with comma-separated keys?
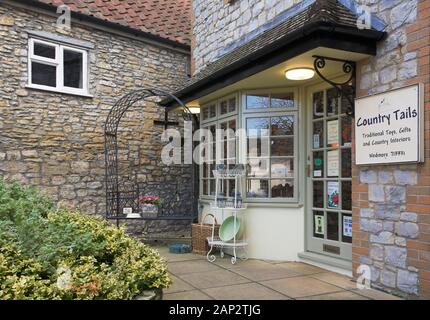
[{"x": 117, "y": 196}]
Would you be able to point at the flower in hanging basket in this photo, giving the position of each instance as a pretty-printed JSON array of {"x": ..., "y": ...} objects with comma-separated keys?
[{"x": 150, "y": 200}]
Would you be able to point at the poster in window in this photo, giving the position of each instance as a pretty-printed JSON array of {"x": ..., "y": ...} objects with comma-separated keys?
[
  {"x": 333, "y": 194},
  {"x": 333, "y": 133},
  {"x": 333, "y": 163},
  {"x": 319, "y": 224},
  {"x": 347, "y": 226}
]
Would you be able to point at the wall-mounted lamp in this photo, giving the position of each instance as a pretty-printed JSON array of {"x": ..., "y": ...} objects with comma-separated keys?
[{"x": 298, "y": 74}]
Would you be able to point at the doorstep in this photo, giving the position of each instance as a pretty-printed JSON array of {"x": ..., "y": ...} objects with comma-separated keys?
[{"x": 325, "y": 262}]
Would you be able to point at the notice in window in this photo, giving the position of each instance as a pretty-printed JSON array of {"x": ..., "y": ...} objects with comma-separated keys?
[
  {"x": 333, "y": 133},
  {"x": 319, "y": 224},
  {"x": 347, "y": 226},
  {"x": 333, "y": 163},
  {"x": 333, "y": 194}
]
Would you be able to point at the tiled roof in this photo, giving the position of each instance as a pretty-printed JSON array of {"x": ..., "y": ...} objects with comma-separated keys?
[
  {"x": 169, "y": 19},
  {"x": 330, "y": 12}
]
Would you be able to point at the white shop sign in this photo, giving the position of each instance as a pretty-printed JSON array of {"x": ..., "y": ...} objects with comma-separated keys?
[{"x": 389, "y": 127}]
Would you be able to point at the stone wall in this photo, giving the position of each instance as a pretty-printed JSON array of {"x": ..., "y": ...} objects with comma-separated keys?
[
  {"x": 391, "y": 211},
  {"x": 55, "y": 141},
  {"x": 218, "y": 24}
]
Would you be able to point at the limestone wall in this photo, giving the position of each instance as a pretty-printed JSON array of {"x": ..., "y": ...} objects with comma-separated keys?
[{"x": 55, "y": 141}]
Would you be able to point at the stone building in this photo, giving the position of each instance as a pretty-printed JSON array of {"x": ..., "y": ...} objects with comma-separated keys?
[
  {"x": 52, "y": 126},
  {"x": 344, "y": 214}
]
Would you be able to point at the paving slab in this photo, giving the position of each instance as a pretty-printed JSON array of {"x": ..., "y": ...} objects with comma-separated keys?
[
  {"x": 178, "y": 285},
  {"x": 187, "y": 295},
  {"x": 336, "y": 279},
  {"x": 344, "y": 295},
  {"x": 213, "y": 279},
  {"x": 298, "y": 287},
  {"x": 247, "y": 291},
  {"x": 192, "y": 266},
  {"x": 301, "y": 267},
  {"x": 376, "y": 294},
  {"x": 263, "y": 271}
]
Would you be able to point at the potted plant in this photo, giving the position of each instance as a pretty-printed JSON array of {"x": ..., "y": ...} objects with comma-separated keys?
[{"x": 149, "y": 205}]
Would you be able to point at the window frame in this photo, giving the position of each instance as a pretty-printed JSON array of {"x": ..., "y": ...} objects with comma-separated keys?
[
  {"x": 269, "y": 113},
  {"x": 217, "y": 120},
  {"x": 58, "y": 62},
  {"x": 269, "y": 92}
]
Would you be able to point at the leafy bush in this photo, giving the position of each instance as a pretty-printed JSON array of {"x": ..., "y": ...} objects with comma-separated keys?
[{"x": 48, "y": 253}]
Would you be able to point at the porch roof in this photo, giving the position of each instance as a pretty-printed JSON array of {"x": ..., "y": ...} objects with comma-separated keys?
[{"x": 323, "y": 23}]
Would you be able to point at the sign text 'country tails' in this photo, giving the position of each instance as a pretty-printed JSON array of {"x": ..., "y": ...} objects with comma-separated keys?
[{"x": 389, "y": 127}]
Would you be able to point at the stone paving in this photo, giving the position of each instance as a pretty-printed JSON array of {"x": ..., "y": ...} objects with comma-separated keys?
[{"x": 194, "y": 278}]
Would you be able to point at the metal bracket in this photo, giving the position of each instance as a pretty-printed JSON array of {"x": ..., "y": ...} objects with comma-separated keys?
[{"x": 344, "y": 89}]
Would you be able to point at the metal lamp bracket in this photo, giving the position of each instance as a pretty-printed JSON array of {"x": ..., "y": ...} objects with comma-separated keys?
[{"x": 344, "y": 89}]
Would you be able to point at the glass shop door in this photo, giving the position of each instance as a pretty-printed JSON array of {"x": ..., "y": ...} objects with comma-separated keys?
[{"x": 329, "y": 201}]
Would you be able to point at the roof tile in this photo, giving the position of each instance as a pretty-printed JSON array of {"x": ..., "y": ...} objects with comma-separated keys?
[{"x": 170, "y": 19}]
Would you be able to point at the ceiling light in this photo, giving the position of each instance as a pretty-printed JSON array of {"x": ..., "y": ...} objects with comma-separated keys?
[
  {"x": 194, "y": 110},
  {"x": 298, "y": 74}
]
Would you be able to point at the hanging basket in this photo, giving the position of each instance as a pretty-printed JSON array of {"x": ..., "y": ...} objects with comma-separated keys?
[{"x": 200, "y": 232}]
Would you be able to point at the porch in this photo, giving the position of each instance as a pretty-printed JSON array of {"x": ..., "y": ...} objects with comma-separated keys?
[{"x": 194, "y": 278}]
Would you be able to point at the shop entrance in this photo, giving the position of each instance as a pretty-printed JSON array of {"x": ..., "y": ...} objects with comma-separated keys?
[{"x": 329, "y": 201}]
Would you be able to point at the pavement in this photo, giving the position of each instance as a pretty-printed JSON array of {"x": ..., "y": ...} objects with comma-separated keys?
[{"x": 194, "y": 278}]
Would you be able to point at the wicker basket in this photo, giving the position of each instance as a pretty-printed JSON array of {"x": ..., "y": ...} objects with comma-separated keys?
[{"x": 200, "y": 232}]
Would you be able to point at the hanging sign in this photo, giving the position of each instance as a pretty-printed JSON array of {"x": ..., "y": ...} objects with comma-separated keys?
[{"x": 389, "y": 127}]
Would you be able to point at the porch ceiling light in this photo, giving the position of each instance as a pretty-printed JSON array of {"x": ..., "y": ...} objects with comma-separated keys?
[
  {"x": 194, "y": 110},
  {"x": 298, "y": 74}
]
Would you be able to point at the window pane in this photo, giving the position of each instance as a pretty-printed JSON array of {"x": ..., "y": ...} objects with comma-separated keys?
[
  {"x": 319, "y": 224},
  {"x": 259, "y": 147},
  {"x": 282, "y": 147},
  {"x": 318, "y": 164},
  {"x": 333, "y": 226},
  {"x": 205, "y": 113},
  {"x": 318, "y": 194},
  {"x": 332, "y": 103},
  {"x": 282, "y": 100},
  {"x": 318, "y": 105},
  {"x": 346, "y": 131},
  {"x": 223, "y": 107},
  {"x": 347, "y": 228},
  {"x": 205, "y": 187},
  {"x": 282, "y": 168},
  {"x": 232, "y": 105},
  {"x": 346, "y": 195},
  {"x": 282, "y": 126},
  {"x": 257, "y": 127},
  {"x": 43, "y": 74},
  {"x": 258, "y": 168},
  {"x": 212, "y": 111},
  {"x": 318, "y": 135},
  {"x": 212, "y": 184},
  {"x": 346, "y": 163},
  {"x": 73, "y": 69},
  {"x": 257, "y": 188},
  {"x": 348, "y": 91},
  {"x": 257, "y": 101},
  {"x": 333, "y": 194},
  {"x": 205, "y": 169},
  {"x": 44, "y": 50},
  {"x": 282, "y": 189}
]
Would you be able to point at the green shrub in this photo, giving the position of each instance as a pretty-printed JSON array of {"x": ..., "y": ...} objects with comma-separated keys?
[{"x": 48, "y": 253}]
